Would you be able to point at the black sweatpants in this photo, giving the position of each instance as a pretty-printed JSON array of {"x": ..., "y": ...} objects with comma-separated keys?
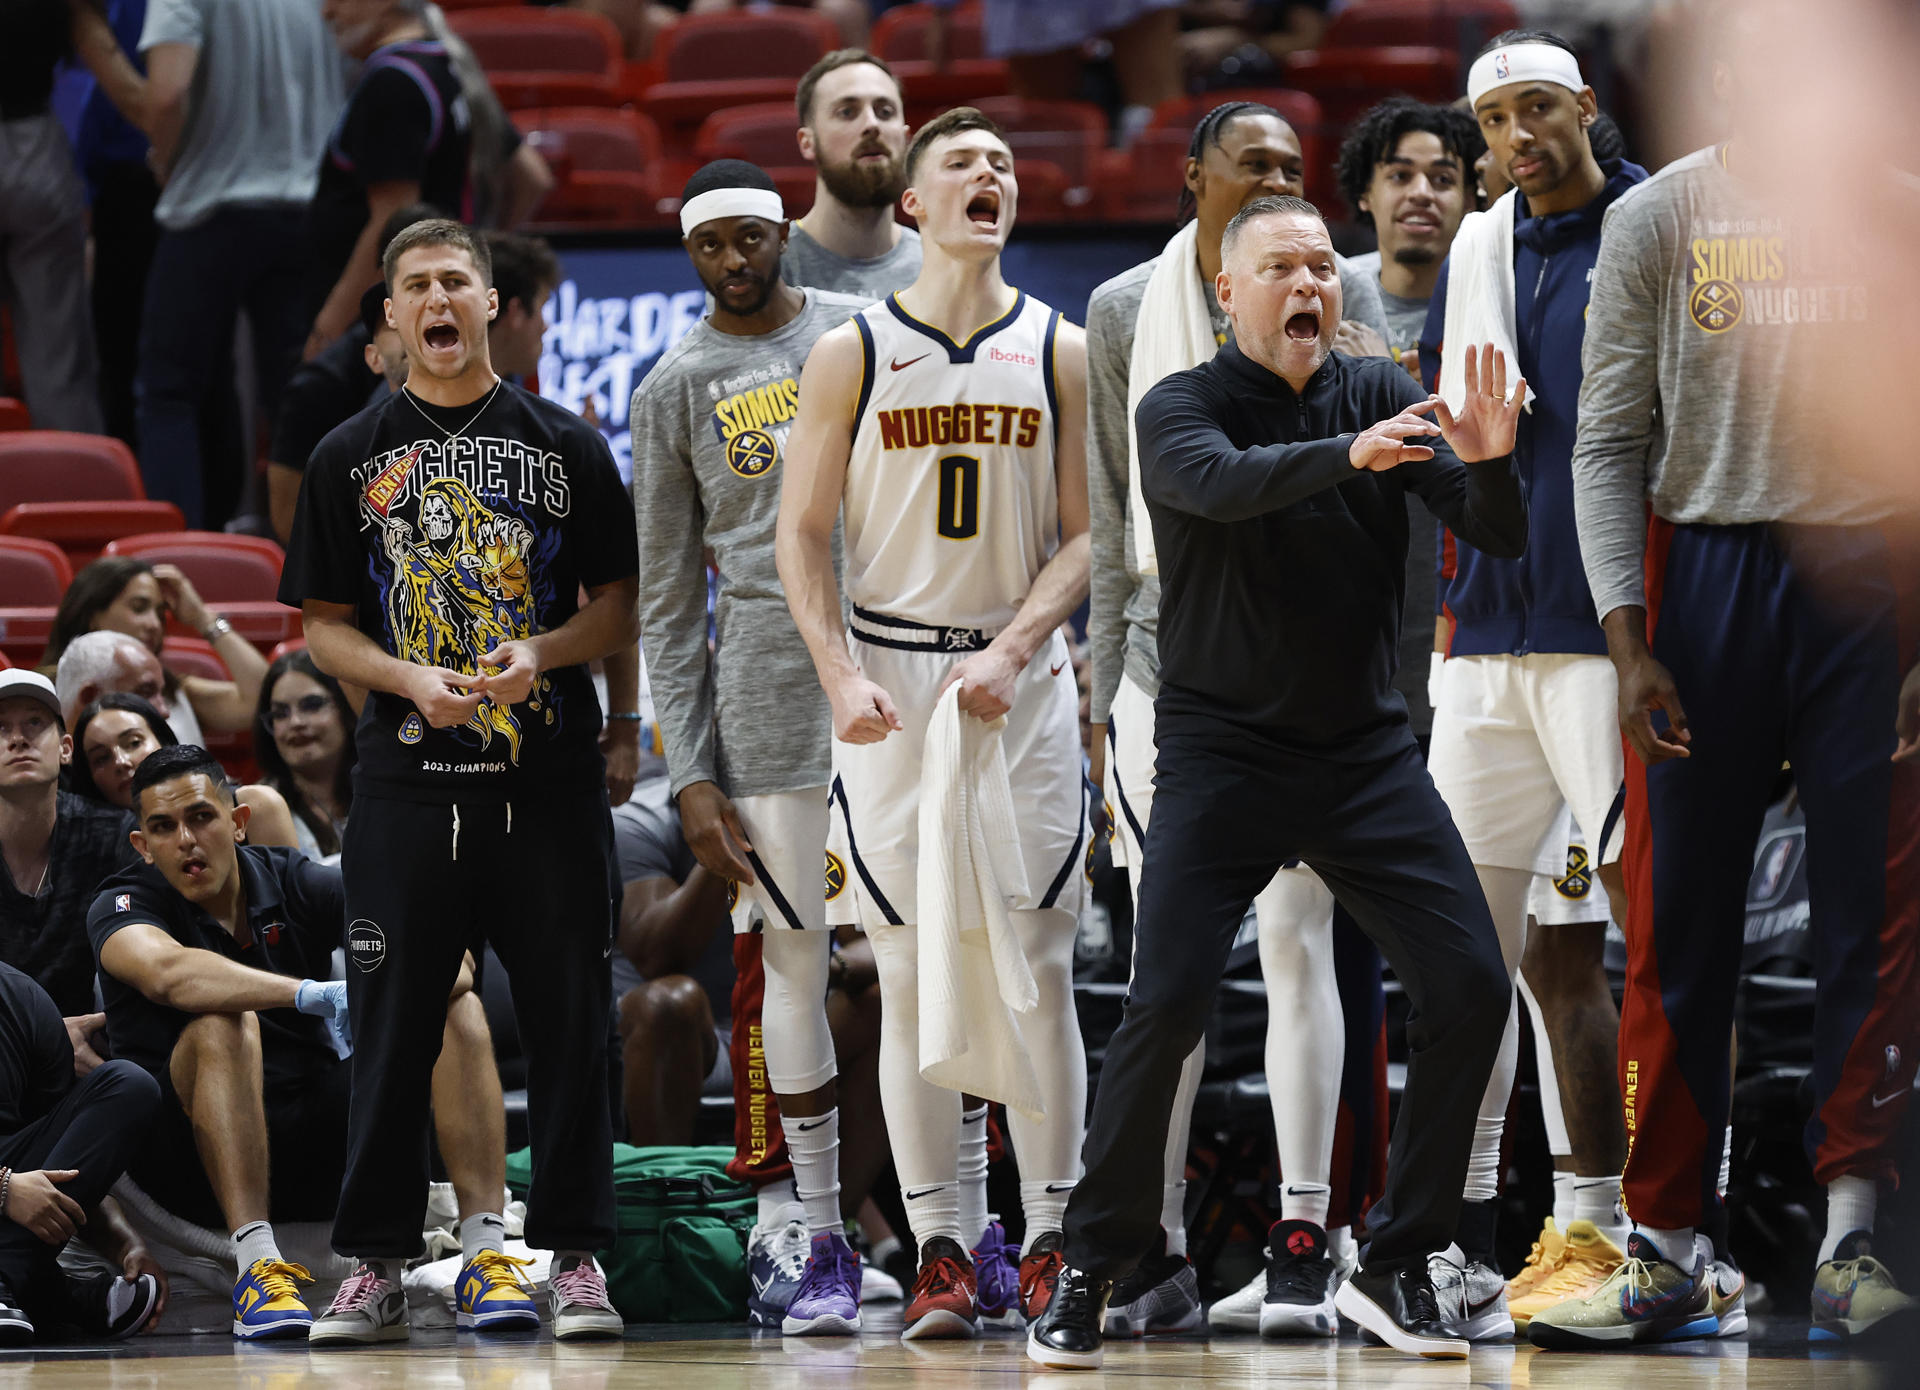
[
  {"x": 424, "y": 883},
  {"x": 95, "y": 1128},
  {"x": 1229, "y": 809}
]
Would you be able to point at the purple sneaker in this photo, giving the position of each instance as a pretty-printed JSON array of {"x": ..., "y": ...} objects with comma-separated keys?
[
  {"x": 827, "y": 1303},
  {"x": 998, "y": 1277}
]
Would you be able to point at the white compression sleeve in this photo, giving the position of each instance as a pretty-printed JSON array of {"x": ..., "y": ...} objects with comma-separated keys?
[
  {"x": 1048, "y": 1150},
  {"x": 923, "y": 1120},
  {"x": 1173, "y": 1195},
  {"x": 1306, "y": 1028},
  {"x": 793, "y": 1014},
  {"x": 1552, "y": 1113},
  {"x": 1506, "y": 893}
]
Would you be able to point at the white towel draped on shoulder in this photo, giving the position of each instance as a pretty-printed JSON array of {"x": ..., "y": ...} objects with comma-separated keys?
[
  {"x": 973, "y": 975},
  {"x": 1172, "y": 332},
  {"x": 1480, "y": 305}
]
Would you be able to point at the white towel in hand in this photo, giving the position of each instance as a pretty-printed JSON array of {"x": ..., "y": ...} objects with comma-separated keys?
[
  {"x": 973, "y": 975},
  {"x": 1479, "y": 298},
  {"x": 1172, "y": 333}
]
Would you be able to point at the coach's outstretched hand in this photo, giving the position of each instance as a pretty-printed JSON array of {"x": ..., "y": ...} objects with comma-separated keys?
[
  {"x": 862, "y": 711},
  {"x": 1489, "y": 416},
  {"x": 327, "y": 1001},
  {"x": 1380, "y": 447}
]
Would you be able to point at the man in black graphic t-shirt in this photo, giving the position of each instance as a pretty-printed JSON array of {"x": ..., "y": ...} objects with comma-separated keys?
[{"x": 440, "y": 540}]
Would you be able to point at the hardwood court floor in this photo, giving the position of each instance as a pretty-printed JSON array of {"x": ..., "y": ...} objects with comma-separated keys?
[{"x": 721, "y": 1358}]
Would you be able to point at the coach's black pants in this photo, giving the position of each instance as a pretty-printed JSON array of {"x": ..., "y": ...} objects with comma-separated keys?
[
  {"x": 95, "y": 1128},
  {"x": 423, "y": 884},
  {"x": 1229, "y": 809}
]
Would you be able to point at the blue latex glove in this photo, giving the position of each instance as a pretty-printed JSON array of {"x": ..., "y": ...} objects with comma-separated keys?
[{"x": 327, "y": 1000}]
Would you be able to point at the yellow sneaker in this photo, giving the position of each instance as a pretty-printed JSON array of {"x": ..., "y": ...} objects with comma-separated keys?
[
  {"x": 1587, "y": 1259},
  {"x": 267, "y": 1304},
  {"x": 1853, "y": 1292},
  {"x": 1542, "y": 1261},
  {"x": 493, "y": 1296}
]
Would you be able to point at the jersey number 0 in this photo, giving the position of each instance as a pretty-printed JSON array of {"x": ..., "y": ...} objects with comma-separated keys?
[{"x": 959, "y": 518}]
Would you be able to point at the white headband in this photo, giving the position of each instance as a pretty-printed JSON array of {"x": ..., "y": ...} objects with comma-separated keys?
[
  {"x": 730, "y": 202},
  {"x": 1524, "y": 62}
]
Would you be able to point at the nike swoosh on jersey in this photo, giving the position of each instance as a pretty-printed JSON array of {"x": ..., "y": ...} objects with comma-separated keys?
[
  {"x": 900, "y": 366},
  {"x": 1056, "y": 670}
]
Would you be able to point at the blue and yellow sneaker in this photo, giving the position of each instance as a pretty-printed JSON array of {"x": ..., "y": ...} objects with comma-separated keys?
[
  {"x": 266, "y": 1302},
  {"x": 492, "y": 1297}
]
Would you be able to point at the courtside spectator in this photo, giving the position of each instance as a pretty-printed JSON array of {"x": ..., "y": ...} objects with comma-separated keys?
[
  {"x": 303, "y": 740},
  {"x": 55, "y": 848},
  {"x": 121, "y": 594},
  {"x": 525, "y": 275},
  {"x": 240, "y": 95},
  {"x": 63, "y": 1143},
  {"x": 213, "y": 960},
  {"x": 113, "y": 736}
]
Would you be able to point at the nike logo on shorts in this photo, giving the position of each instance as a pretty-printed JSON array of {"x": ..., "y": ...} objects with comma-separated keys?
[
  {"x": 900, "y": 366},
  {"x": 1056, "y": 670}
]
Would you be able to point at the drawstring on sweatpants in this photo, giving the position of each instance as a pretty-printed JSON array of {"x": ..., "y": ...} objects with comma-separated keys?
[
  {"x": 456, "y": 834},
  {"x": 509, "y": 818}
]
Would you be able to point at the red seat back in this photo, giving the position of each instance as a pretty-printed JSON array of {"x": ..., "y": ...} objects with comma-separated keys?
[
  {"x": 224, "y": 568},
  {"x": 750, "y": 43},
  {"x": 537, "y": 39},
  {"x": 1346, "y": 81},
  {"x": 83, "y": 529},
  {"x": 762, "y": 133},
  {"x": 900, "y": 35},
  {"x": 33, "y": 573},
  {"x": 589, "y": 137},
  {"x": 13, "y": 414},
  {"x": 1067, "y": 134},
  {"x": 55, "y": 466},
  {"x": 1461, "y": 25}
]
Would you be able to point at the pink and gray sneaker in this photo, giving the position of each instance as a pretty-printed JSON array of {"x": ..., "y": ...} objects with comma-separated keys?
[
  {"x": 827, "y": 1303},
  {"x": 997, "y": 1273},
  {"x": 582, "y": 1311}
]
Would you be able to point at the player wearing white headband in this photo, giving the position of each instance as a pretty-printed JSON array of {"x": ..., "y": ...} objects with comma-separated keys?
[{"x": 745, "y": 726}]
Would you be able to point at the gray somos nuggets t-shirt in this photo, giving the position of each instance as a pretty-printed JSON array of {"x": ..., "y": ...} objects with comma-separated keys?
[{"x": 710, "y": 425}]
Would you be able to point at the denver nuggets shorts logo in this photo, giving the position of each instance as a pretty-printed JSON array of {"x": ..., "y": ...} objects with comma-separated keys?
[
  {"x": 1716, "y": 305},
  {"x": 1578, "y": 880},
  {"x": 836, "y": 876},
  {"x": 752, "y": 453}
]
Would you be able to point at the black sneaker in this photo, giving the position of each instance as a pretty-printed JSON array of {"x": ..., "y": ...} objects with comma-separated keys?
[
  {"x": 1162, "y": 1295},
  {"x": 1300, "y": 1283},
  {"x": 1067, "y": 1335},
  {"x": 106, "y": 1305},
  {"x": 16, "y": 1328},
  {"x": 1400, "y": 1309}
]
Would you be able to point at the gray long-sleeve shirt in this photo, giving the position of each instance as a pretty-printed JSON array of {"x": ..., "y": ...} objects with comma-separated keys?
[
  {"x": 709, "y": 425},
  {"x": 1709, "y": 309},
  {"x": 1124, "y": 611}
]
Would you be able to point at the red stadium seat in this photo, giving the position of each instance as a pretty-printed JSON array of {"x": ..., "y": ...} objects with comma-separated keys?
[
  {"x": 55, "y": 466},
  {"x": 84, "y": 529},
  {"x": 189, "y": 656},
  {"x": 706, "y": 59},
  {"x": 13, "y": 414},
  {"x": 237, "y": 576},
  {"x": 606, "y": 163},
  {"x": 900, "y": 37},
  {"x": 1346, "y": 81},
  {"x": 763, "y": 133},
  {"x": 33, "y": 573},
  {"x": 1151, "y": 180},
  {"x": 33, "y": 576},
  {"x": 537, "y": 56},
  {"x": 292, "y": 644},
  {"x": 1460, "y": 25},
  {"x": 1070, "y": 135}
]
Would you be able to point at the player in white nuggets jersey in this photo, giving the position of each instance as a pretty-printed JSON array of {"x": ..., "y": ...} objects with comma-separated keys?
[{"x": 946, "y": 426}]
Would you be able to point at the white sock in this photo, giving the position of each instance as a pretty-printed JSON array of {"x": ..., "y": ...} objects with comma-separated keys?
[
  {"x": 1173, "y": 1216},
  {"x": 813, "y": 1143},
  {"x": 1483, "y": 1165},
  {"x": 1044, "y": 1204},
  {"x": 1851, "y": 1205},
  {"x": 1726, "y": 1160},
  {"x": 973, "y": 1173},
  {"x": 1306, "y": 1032},
  {"x": 776, "y": 1204},
  {"x": 1598, "y": 1200},
  {"x": 485, "y": 1230},
  {"x": 1305, "y": 1201},
  {"x": 254, "y": 1242},
  {"x": 1675, "y": 1246},
  {"x": 934, "y": 1210},
  {"x": 1563, "y": 1198},
  {"x": 1341, "y": 1245}
]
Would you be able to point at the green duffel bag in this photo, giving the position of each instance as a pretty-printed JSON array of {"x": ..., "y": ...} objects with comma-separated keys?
[{"x": 681, "y": 1255}]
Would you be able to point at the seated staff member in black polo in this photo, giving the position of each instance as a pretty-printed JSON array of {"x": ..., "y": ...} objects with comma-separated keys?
[
  {"x": 211, "y": 955},
  {"x": 1278, "y": 507}
]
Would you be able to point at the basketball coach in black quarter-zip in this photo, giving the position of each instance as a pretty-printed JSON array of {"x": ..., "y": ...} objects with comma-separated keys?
[{"x": 1275, "y": 478}]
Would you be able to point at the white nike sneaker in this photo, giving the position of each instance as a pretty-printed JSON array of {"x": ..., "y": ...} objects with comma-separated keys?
[
  {"x": 1727, "y": 1289},
  {"x": 1240, "y": 1312},
  {"x": 1472, "y": 1297}
]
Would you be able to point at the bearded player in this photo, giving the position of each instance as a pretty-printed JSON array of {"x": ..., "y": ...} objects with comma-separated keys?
[{"x": 945, "y": 427}]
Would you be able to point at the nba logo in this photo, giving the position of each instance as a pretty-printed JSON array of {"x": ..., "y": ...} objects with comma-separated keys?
[
  {"x": 1500, "y": 68},
  {"x": 123, "y": 902}
]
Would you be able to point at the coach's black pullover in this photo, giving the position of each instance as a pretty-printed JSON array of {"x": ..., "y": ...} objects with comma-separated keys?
[{"x": 1282, "y": 566}]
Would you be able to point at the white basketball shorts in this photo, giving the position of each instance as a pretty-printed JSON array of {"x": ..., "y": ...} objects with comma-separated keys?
[
  {"x": 788, "y": 831},
  {"x": 1573, "y": 894}
]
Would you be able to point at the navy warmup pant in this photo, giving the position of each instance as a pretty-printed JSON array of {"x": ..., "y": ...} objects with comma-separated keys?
[
  {"x": 1229, "y": 809},
  {"x": 1785, "y": 642}
]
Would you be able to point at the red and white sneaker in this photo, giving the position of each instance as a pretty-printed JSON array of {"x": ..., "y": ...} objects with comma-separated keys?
[
  {"x": 1039, "y": 1273},
  {"x": 943, "y": 1302}
]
